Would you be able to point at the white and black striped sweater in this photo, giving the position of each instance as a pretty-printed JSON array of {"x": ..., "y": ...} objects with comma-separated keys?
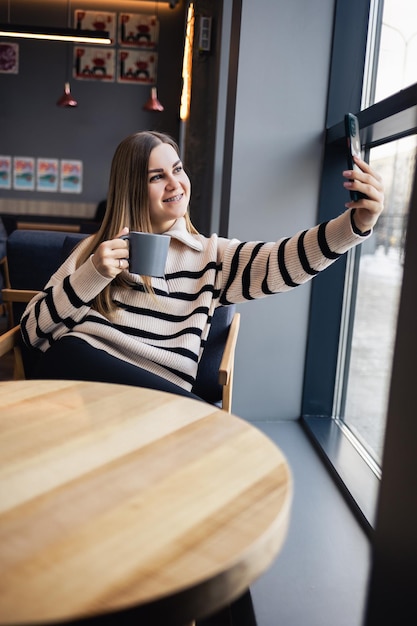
[{"x": 166, "y": 334}]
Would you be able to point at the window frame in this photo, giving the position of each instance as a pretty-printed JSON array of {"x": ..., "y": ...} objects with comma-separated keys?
[{"x": 393, "y": 118}]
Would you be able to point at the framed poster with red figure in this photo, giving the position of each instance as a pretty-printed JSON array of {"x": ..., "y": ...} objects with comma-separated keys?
[
  {"x": 93, "y": 63},
  {"x": 96, "y": 20},
  {"x": 136, "y": 67},
  {"x": 136, "y": 30}
]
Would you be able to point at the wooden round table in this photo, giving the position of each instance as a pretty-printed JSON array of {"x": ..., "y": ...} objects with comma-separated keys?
[{"x": 122, "y": 502}]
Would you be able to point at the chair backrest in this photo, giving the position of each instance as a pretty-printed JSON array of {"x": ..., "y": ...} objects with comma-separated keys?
[{"x": 33, "y": 256}]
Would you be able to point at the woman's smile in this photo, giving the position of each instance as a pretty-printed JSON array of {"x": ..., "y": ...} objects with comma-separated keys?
[{"x": 174, "y": 198}]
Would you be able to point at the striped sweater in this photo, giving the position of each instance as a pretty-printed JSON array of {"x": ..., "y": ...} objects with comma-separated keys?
[{"x": 166, "y": 334}]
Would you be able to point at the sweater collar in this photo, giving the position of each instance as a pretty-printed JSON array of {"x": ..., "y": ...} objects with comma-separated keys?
[{"x": 179, "y": 231}]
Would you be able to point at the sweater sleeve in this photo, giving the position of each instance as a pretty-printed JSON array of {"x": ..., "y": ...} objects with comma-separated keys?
[
  {"x": 256, "y": 269},
  {"x": 63, "y": 303}
]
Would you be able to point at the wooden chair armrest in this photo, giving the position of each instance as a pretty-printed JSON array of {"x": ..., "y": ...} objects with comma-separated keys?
[
  {"x": 18, "y": 295},
  {"x": 227, "y": 363},
  {"x": 10, "y": 340},
  {"x": 15, "y": 295}
]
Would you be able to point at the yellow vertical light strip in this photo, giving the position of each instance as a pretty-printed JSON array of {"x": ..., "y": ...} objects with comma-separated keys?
[{"x": 187, "y": 65}]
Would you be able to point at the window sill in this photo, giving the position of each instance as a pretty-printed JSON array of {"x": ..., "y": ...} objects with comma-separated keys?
[{"x": 357, "y": 480}]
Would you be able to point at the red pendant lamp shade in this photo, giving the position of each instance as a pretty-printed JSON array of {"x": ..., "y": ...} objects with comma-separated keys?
[
  {"x": 66, "y": 100},
  {"x": 153, "y": 103}
]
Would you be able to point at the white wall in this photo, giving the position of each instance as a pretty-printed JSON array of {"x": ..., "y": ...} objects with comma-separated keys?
[{"x": 280, "y": 116}]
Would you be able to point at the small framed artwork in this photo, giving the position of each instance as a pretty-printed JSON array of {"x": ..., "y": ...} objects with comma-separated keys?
[
  {"x": 71, "y": 180},
  {"x": 9, "y": 58},
  {"x": 47, "y": 174},
  {"x": 24, "y": 173},
  {"x": 138, "y": 31},
  {"x": 136, "y": 67},
  {"x": 96, "y": 20},
  {"x": 5, "y": 172},
  {"x": 94, "y": 63}
]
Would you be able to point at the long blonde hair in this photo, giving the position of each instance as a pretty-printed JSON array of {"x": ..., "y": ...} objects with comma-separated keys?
[{"x": 128, "y": 203}]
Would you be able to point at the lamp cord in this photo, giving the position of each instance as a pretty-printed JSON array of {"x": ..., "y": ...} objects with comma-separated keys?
[{"x": 68, "y": 61}]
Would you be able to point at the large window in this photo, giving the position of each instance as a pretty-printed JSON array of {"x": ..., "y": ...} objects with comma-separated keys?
[
  {"x": 379, "y": 279},
  {"x": 352, "y": 335},
  {"x": 393, "y": 67}
]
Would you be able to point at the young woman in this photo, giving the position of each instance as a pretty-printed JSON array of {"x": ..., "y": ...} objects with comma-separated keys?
[{"x": 97, "y": 321}]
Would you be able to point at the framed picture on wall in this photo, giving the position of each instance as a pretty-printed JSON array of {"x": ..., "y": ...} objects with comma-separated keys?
[
  {"x": 94, "y": 63},
  {"x": 138, "y": 30},
  {"x": 9, "y": 58},
  {"x": 71, "y": 179},
  {"x": 5, "y": 172},
  {"x": 96, "y": 20},
  {"x": 47, "y": 174},
  {"x": 23, "y": 173},
  {"x": 136, "y": 67}
]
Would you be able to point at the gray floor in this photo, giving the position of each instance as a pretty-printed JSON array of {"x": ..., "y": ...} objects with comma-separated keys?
[{"x": 320, "y": 576}]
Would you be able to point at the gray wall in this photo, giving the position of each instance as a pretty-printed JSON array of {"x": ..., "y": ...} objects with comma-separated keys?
[{"x": 278, "y": 138}]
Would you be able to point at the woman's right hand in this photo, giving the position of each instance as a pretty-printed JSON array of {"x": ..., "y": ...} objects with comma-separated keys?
[
  {"x": 111, "y": 257},
  {"x": 370, "y": 183}
]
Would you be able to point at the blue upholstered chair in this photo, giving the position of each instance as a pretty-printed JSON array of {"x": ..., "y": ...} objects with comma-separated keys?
[{"x": 34, "y": 255}]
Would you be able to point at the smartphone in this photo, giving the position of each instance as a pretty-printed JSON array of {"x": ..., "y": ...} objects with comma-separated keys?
[{"x": 353, "y": 148}]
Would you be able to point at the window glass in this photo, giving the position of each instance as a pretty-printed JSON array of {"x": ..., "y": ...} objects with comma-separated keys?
[
  {"x": 397, "y": 58},
  {"x": 377, "y": 301}
]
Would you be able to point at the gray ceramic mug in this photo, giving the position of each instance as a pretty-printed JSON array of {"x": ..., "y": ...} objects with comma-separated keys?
[{"x": 147, "y": 253}]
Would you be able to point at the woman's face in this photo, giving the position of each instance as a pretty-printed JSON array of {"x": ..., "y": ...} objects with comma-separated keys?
[{"x": 169, "y": 188}]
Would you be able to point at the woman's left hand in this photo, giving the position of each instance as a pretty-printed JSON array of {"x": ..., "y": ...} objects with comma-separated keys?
[{"x": 368, "y": 182}]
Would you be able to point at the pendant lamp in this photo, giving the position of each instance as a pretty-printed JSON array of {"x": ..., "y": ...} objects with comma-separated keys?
[
  {"x": 153, "y": 103},
  {"x": 66, "y": 100}
]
